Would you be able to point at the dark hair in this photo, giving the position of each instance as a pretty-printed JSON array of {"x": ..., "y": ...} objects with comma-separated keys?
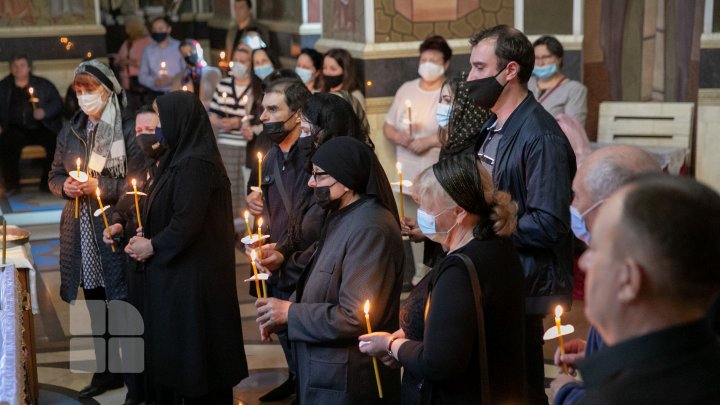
[
  {"x": 552, "y": 44},
  {"x": 20, "y": 56},
  {"x": 351, "y": 81},
  {"x": 466, "y": 119},
  {"x": 279, "y": 74},
  {"x": 511, "y": 46},
  {"x": 145, "y": 109},
  {"x": 249, "y": 2},
  {"x": 163, "y": 18},
  {"x": 315, "y": 56},
  {"x": 269, "y": 53},
  {"x": 331, "y": 116},
  {"x": 293, "y": 89},
  {"x": 672, "y": 223},
  {"x": 437, "y": 43}
]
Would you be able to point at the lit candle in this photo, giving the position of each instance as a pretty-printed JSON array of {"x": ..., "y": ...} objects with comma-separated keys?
[
  {"x": 558, "y": 314},
  {"x": 247, "y": 223},
  {"x": 77, "y": 198},
  {"x": 102, "y": 211},
  {"x": 184, "y": 88},
  {"x": 260, "y": 157},
  {"x": 253, "y": 257},
  {"x": 260, "y": 224},
  {"x": 89, "y": 55},
  {"x": 408, "y": 104},
  {"x": 375, "y": 366},
  {"x": 398, "y": 165},
  {"x": 137, "y": 204},
  {"x": 244, "y": 100},
  {"x": 32, "y": 97},
  {"x": 163, "y": 69},
  {"x": 224, "y": 96},
  {"x": 4, "y": 255},
  {"x": 222, "y": 63}
]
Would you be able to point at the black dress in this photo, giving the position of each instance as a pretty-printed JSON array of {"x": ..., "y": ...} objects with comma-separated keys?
[{"x": 194, "y": 337}]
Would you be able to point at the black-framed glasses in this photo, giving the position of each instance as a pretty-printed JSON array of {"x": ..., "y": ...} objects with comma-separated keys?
[{"x": 318, "y": 174}]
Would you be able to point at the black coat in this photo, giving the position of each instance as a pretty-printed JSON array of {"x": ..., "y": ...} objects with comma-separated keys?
[
  {"x": 72, "y": 144},
  {"x": 536, "y": 165},
  {"x": 194, "y": 341},
  {"x": 444, "y": 367},
  {"x": 45, "y": 91}
]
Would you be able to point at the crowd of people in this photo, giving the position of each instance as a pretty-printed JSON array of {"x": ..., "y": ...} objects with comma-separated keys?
[{"x": 504, "y": 187}]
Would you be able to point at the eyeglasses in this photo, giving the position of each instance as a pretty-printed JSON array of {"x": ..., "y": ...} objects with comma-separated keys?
[{"x": 318, "y": 174}]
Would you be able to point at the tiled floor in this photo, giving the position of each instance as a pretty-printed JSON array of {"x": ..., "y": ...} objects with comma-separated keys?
[{"x": 59, "y": 385}]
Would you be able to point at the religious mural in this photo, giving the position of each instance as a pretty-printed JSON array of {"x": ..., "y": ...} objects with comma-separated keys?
[
  {"x": 345, "y": 17},
  {"x": 46, "y": 12}
]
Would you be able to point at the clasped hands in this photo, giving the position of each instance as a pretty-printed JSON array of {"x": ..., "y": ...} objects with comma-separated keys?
[
  {"x": 138, "y": 248},
  {"x": 73, "y": 188}
]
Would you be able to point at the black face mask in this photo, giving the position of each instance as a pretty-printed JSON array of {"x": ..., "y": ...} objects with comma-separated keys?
[
  {"x": 322, "y": 196},
  {"x": 485, "y": 92},
  {"x": 333, "y": 81},
  {"x": 159, "y": 36},
  {"x": 191, "y": 59},
  {"x": 276, "y": 130},
  {"x": 146, "y": 141}
]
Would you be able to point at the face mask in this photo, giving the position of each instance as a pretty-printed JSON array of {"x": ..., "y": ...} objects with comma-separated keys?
[
  {"x": 263, "y": 71},
  {"x": 276, "y": 130},
  {"x": 159, "y": 36},
  {"x": 322, "y": 196},
  {"x": 545, "y": 72},
  {"x": 442, "y": 114},
  {"x": 577, "y": 222},
  {"x": 191, "y": 59},
  {"x": 485, "y": 92},
  {"x": 92, "y": 103},
  {"x": 430, "y": 71},
  {"x": 238, "y": 70},
  {"x": 333, "y": 81},
  {"x": 305, "y": 74},
  {"x": 426, "y": 223},
  {"x": 146, "y": 142}
]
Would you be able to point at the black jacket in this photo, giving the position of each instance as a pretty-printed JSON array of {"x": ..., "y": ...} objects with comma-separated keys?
[
  {"x": 536, "y": 165},
  {"x": 71, "y": 144},
  {"x": 45, "y": 91}
]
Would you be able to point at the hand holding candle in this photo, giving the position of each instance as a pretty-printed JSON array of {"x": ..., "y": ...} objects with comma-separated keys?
[
  {"x": 253, "y": 257},
  {"x": 558, "y": 314},
  {"x": 33, "y": 100},
  {"x": 375, "y": 366},
  {"x": 408, "y": 104},
  {"x": 137, "y": 204},
  {"x": 77, "y": 199},
  {"x": 102, "y": 211}
]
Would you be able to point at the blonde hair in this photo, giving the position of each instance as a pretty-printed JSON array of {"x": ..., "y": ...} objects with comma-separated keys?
[{"x": 135, "y": 27}]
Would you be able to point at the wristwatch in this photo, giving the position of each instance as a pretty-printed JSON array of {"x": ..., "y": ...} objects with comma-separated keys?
[{"x": 389, "y": 348}]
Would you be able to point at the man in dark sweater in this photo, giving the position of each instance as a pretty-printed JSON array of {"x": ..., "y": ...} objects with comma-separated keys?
[
  {"x": 30, "y": 109},
  {"x": 650, "y": 279}
]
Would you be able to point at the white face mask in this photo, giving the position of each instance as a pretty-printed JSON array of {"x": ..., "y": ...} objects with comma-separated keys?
[
  {"x": 238, "y": 70},
  {"x": 430, "y": 71},
  {"x": 91, "y": 103}
]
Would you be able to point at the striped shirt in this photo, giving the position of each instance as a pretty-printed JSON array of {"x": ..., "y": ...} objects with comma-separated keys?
[{"x": 237, "y": 101}]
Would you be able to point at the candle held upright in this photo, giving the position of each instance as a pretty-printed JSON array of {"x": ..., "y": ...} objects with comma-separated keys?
[
  {"x": 137, "y": 204},
  {"x": 102, "y": 211},
  {"x": 77, "y": 199},
  {"x": 398, "y": 165},
  {"x": 366, "y": 308},
  {"x": 558, "y": 324}
]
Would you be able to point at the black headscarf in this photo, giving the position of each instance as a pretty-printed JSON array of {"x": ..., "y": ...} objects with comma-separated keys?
[
  {"x": 354, "y": 164},
  {"x": 466, "y": 119},
  {"x": 187, "y": 131}
]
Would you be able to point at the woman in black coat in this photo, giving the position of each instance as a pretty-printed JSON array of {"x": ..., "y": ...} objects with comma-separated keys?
[
  {"x": 194, "y": 337},
  {"x": 440, "y": 344}
]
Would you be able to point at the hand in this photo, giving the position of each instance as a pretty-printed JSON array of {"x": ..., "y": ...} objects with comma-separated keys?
[
  {"x": 574, "y": 353},
  {"x": 272, "y": 314},
  {"x": 404, "y": 138},
  {"x": 228, "y": 124},
  {"x": 265, "y": 336},
  {"x": 246, "y": 131},
  {"x": 421, "y": 145},
  {"x": 71, "y": 188},
  {"x": 560, "y": 381},
  {"x": 38, "y": 113},
  {"x": 410, "y": 228},
  {"x": 115, "y": 229},
  {"x": 139, "y": 248},
  {"x": 254, "y": 203},
  {"x": 389, "y": 361},
  {"x": 272, "y": 259},
  {"x": 89, "y": 187},
  {"x": 163, "y": 81},
  {"x": 374, "y": 344}
]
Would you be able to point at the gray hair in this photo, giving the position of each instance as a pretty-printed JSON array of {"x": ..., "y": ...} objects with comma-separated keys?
[
  {"x": 426, "y": 187},
  {"x": 613, "y": 166}
]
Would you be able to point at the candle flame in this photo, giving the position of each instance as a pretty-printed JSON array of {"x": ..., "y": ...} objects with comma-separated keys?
[
  {"x": 63, "y": 40},
  {"x": 184, "y": 88},
  {"x": 398, "y": 165},
  {"x": 231, "y": 64},
  {"x": 558, "y": 311},
  {"x": 260, "y": 222},
  {"x": 245, "y": 99},
  {"x": 253, "y": 255},
  {"x": 247, "y": 215},
  {"x": 369, "y": 83},
  {"x": 259, "y": 155},
  {"x": 31, "y": 91},
  {"x": 97, "y": 192},
  {"x": 224, "y": 94},
  {"x": 78, "y": 162},
  {"x": 134, "y": 183},
  {"x": 89, "y": 55},
  {"x": 163, "y": 65},
  {"x": 366, "y": 308},
  {"x": 222, "y": 55},
  {"x": 408, "y": 104}
]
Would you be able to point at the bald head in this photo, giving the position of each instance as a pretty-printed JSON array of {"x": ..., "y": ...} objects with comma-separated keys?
[{"x": 605, "y": 171}]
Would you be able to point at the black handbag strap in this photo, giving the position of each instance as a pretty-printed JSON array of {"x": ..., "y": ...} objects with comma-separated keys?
[
  {"x": 482, "y": 347},
  {"x": 281, "y": 186}
]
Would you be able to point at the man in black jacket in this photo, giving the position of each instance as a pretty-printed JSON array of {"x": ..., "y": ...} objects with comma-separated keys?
[
  {"x": 528, "y": 155},
  {"x": 27, "y": 117},
  {"x": 651, "y": 275}
]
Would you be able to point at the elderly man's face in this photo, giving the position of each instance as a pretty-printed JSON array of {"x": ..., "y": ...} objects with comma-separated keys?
[
  {"x": 582, "y": 200},
  {"x": 603, "y": 266}
]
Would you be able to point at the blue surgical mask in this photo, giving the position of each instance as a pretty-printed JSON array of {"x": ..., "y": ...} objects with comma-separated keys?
[
  {"x": 426, "y": 223},
  {"x": 545, "y": 72},
  {"x": 577, "y": 222},
  {"x": 263, "y": 71},
  {"x": 442, "y": 114},
  {"x": 305, "y": 74}
]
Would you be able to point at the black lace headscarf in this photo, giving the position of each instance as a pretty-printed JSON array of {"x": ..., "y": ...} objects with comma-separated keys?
[{"x": 466, "y": 119}]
